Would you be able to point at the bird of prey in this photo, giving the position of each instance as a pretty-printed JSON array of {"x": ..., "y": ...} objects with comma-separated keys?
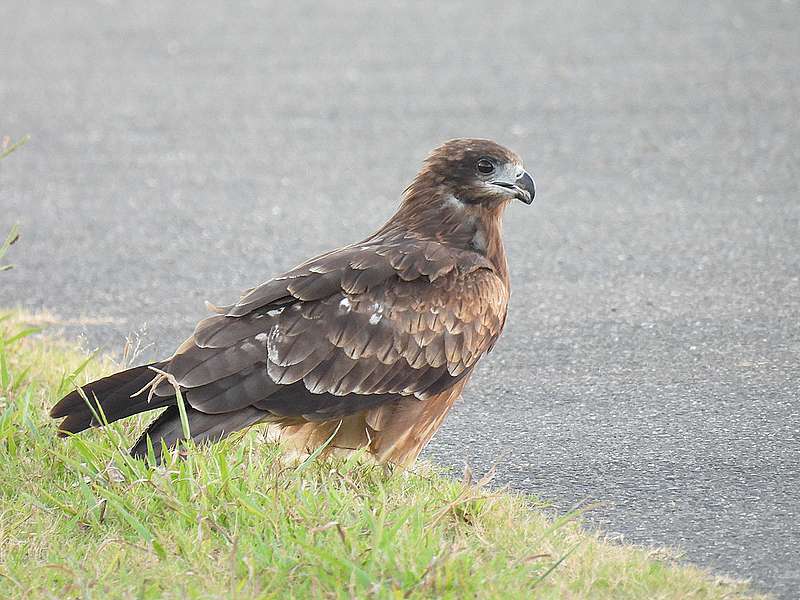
[{"x": 372, "y": 342}]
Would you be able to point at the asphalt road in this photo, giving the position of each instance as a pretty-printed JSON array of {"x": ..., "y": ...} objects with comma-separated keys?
[{"x": 186, "y": 151}]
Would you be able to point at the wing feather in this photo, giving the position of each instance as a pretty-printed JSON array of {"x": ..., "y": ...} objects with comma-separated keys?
[
  {"x": 233, "y": 392},
  {"x": 351, "y": 329},
  {"x": 199, "y": 366}
]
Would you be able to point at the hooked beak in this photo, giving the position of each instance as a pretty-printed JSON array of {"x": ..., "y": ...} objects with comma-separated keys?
[
  {"x": 526, "y": 187},
  {"x": 523, "y": 187}
]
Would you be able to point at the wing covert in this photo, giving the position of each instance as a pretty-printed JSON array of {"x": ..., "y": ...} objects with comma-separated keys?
[{"x": 404, "y": 319}]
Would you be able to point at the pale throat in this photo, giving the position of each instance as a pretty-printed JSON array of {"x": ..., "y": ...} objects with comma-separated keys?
[{"x": 477, "y": 227}]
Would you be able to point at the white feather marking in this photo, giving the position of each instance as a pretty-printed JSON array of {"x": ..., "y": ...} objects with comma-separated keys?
[
  {"x": 375, "y": 318},
  {"x": 272, "y": 342},
  {"x": 479, "y": 240},
  {"x": 345, "y": 304},
  {"x": 453, "y": 202}
]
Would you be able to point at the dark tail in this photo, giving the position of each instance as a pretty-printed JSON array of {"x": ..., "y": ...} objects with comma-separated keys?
[
  {"x": 202, "y": 427},
  {"x": 113, "y": 398}
]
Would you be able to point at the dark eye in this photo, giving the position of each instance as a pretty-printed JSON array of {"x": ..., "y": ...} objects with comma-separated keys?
[{"x": 485, "y": 166}]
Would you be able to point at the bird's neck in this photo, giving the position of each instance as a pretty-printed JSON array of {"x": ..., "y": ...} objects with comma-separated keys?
[
  {"x": 452, "y": 222},
  {"x": 495, "y": 250},
  {"x": 485, "y": 236}
]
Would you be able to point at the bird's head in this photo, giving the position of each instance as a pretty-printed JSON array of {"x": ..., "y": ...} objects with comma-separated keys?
[
  {"x": 474, "y": 172},
  {"x": 458, "y": 197}
]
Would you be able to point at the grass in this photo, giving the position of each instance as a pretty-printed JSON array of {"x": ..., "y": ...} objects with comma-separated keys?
[
  {"x": 10, "y": 239},
  {"x": 78, "y": 518},
  {"x": 6, "y": 148}
]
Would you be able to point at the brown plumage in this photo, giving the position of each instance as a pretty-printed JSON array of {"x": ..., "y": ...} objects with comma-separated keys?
[{"x": 377, "y": 338}]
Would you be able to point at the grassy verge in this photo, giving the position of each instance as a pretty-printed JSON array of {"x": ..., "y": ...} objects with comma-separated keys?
[{"x": 80, "y": 519}]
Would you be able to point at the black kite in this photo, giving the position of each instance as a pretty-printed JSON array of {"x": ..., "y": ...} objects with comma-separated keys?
[{"x": 377, "y": 338}]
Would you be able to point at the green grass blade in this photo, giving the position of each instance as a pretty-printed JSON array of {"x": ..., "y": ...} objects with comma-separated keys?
[
  {"x": 313, "y": 456},
  {"x": 15, "y": 146}
]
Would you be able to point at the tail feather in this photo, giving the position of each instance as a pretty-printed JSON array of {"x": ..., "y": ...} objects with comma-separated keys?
[
  {"x": 203, "y": 427},
  {"x": 114, "y": 396}
]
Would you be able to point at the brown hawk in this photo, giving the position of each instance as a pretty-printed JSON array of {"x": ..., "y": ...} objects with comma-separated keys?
[{"x": 373, "y": 341}]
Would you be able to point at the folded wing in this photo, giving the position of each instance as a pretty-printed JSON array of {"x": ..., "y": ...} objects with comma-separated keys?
[{"x": 344, "y": 332}]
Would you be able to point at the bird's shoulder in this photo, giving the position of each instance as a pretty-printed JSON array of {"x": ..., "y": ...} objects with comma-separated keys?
[
  {"x": 409, "y": 266},
  {"x": 409, "y": 318}
]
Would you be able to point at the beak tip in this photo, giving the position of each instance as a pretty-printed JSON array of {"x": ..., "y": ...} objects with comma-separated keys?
[{"x": 526, "y": 183}]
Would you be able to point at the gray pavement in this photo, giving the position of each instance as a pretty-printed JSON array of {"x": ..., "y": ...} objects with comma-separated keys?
[{"x": 186, "y": 151}]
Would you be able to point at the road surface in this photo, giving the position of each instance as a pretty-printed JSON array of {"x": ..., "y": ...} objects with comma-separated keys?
[{"x": 186, "y": 151}]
